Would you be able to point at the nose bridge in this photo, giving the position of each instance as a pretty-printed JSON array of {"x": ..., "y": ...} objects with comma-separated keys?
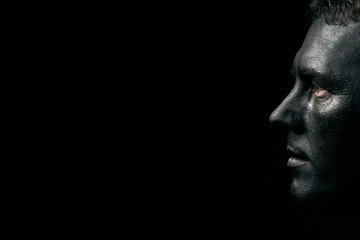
[{"x": 289, "y": 112}]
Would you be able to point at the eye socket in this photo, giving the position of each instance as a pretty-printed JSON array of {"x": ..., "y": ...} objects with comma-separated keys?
[{"x": 319, "y": 92}]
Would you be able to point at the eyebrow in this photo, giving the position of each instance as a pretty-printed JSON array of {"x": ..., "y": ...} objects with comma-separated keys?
[{"x": 305, "y": 72}]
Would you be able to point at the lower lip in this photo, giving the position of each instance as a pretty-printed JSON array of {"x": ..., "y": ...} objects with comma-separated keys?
[{"x": 296, "y": 162}]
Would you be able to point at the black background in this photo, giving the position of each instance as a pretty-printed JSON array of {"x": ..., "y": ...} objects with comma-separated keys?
[{"x": 147, "y": 119}]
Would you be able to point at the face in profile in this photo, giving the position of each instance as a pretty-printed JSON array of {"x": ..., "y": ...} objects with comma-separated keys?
[{"x": 321, "y": 114}]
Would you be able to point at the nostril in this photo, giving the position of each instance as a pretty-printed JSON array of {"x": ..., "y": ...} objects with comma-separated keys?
[
  {"x": 283, "y": 118},
  {"x": 275, "y": 118},
  {"x": 276, "y": 125},
  {"x": 272, "y": 118}
]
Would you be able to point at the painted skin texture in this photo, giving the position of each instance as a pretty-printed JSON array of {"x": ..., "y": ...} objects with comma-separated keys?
[{"x": 321, "y": 114}]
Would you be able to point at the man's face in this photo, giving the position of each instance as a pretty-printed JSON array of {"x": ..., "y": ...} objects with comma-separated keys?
[{"x": 322, "y": 112}]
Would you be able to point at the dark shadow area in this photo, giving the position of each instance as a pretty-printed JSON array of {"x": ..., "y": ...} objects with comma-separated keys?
[
  {"x": 215, "y": 76},
  {"x": 150, "y": 119},
  {"x": 52, "y": 126}
]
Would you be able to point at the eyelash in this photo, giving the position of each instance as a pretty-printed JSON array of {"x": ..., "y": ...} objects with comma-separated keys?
[{"x": 315, "y": 88}]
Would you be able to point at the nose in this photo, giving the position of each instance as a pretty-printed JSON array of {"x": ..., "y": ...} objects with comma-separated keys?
[{"x": 289, "y": 114}]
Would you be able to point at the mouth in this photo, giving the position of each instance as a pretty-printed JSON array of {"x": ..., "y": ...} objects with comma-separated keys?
[{"x": 297, "y": 157}]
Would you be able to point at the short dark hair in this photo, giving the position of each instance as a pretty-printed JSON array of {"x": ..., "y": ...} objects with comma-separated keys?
[{"x": 336, "y": 11}]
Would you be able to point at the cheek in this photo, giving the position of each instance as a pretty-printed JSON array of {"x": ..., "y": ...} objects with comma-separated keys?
[
  {"x": 327, "y": 118},
  {"x": 324, "y": 109},
  {"x": 329, "y": 130},
  {"x": 335, "y": 150}
]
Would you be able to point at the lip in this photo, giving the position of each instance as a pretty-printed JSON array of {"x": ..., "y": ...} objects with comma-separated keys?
[
  {"x": 297, "y": 157},
  {"x": 296, "y": 162}
]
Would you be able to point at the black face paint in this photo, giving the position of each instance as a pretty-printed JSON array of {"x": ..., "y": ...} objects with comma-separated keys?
[{"x": 322, "y": 112}]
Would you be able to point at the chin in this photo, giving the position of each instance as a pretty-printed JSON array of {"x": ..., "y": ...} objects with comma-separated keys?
[{"x": 303, "y": 192}]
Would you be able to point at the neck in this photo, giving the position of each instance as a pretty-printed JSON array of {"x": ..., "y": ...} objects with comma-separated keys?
[{"x": 337, "y": 221}]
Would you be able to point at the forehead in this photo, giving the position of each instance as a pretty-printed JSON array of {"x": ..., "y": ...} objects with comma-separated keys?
[{"x": 329, "y": 46}]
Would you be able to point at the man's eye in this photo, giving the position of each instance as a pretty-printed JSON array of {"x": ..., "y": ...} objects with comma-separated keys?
[{"x": 319, "y": 92}]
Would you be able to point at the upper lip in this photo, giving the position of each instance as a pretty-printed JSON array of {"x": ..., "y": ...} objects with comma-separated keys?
[{"x": 296, "y": 152}]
